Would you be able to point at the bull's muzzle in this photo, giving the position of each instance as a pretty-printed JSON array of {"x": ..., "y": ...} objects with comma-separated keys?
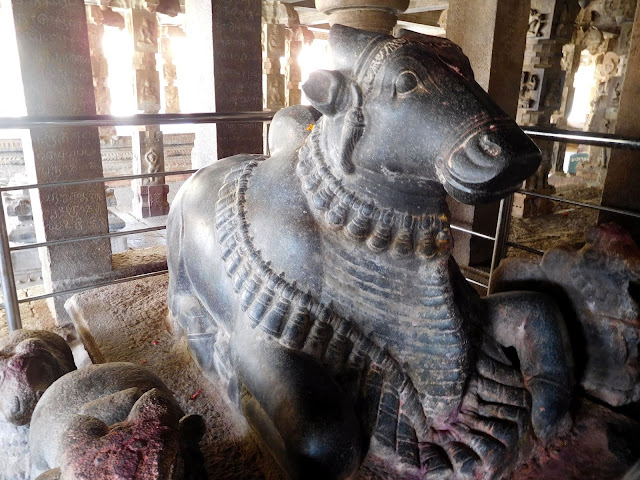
[{"x": 488, "y": 164}]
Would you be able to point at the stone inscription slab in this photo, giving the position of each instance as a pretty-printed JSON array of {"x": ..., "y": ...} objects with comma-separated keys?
[{"x": 237, "y": 68}]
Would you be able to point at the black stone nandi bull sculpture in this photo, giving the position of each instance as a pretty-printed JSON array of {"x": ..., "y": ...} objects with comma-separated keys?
[{"x": 319, "y": 282}]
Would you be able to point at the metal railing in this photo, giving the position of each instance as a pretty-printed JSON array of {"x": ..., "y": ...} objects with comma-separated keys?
[
  {"x": 11, "y": 301},
  {"x": 501, "y": 240}
]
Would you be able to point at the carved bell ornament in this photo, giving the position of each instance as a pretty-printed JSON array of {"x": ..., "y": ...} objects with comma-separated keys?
[{"x": 373, "y": 15}]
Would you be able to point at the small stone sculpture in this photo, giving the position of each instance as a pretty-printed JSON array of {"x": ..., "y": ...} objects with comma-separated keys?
[
  {"x": 114, "y": 420},
  {"x": 594, "y": 285},
  {"x": 319, "y": 283},
  {"x": 30, "y": 361}
]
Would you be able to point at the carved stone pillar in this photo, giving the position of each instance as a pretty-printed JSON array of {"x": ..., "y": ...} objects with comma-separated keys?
[
  {"x": 237, "y": 69},
  {"x": 274, "y": 38},
  {"x": 621, "y": 187},
  {"x": 551, "y": 24},
  {"x": 148, "y": 157},
  {"x": 172, "y": 99},
  {"x": 292, "y": 71},
  {"x": 492, "y": 34},
  {"x": 150, "y": 194},
  {"x": 99, "y": 66},
  {"x": 56, "y": 73},
  {"x": 373, "y": 15}
]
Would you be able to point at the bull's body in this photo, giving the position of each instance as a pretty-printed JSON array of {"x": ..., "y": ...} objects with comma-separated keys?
[{"x": 319, "y": 282}]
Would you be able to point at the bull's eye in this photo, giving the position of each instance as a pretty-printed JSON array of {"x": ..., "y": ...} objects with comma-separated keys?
[{"x": 406, "y": 82}]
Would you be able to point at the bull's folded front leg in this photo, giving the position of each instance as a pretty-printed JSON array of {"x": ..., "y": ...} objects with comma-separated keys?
[
  {"x": 303, "y": 417},
  {"x": 532, "y": 324}
]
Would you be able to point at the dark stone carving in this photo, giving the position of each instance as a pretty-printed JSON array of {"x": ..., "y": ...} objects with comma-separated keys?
[
  {"x": 30, "y": 361},
  {"x": 318, "y": 284},
  {"x": 537, "y": 22},
  {"x": 594, "y": 285},
  {"x": 115, "y": 420},
  {"x": 530, "y": 89}
]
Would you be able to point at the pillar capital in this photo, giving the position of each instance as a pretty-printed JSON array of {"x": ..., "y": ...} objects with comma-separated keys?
[{"x": 373, "y": 15}]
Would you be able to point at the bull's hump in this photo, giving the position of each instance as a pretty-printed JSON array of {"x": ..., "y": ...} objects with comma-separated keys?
[{"x": 282, "y": 225}]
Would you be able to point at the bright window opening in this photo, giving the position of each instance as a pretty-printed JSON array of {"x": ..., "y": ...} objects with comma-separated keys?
[
  {"x": 584, "y": 82},
  {"x": 12, "y": 103},
  {"x": 312, "y": 57}
]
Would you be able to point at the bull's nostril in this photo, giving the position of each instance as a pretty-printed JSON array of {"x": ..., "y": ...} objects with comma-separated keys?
[{"x": 490, "y": 148}]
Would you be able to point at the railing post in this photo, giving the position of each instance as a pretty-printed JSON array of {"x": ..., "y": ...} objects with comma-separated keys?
[
  {"x": 6, "y": 276},
  {"x": 502, "y": 235}
]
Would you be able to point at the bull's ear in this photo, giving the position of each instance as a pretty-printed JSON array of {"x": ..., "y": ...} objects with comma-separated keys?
[{"x": 327, "y": 91}]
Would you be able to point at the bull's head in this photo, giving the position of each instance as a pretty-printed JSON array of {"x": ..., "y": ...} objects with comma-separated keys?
[{"x": 407, "y": 113}]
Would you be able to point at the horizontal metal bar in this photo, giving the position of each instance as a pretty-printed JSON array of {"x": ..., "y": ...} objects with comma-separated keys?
[
  {"x": 603, "y": 208},
  {"x": 471, "y": 232},
  {"x": 525, "y": 248},
  {"x": 96, "y": 180},
  {"x": 63, "y": 241},
  {"x": 584, "y": 138},
  {"x": 89, "y": 287},
  {"x": 142, "y": 119},
  {"x": 477, "y": 283}
]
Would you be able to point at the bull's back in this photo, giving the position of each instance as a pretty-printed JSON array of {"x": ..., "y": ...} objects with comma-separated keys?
[{"x": 196, "y": 270}]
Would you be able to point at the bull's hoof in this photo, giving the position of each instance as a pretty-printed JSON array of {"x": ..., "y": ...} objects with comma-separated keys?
[{"x": 549, "y": 410}]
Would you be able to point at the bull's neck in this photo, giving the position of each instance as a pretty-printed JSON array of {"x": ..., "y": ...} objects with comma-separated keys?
[{"x": 367, "y": 210}]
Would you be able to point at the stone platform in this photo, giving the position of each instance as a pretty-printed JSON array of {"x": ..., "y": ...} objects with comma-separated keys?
[{"x": 128, "y": 322}]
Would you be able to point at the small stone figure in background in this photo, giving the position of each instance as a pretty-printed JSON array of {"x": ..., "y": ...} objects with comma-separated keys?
[{"x": 30, "y": 361}]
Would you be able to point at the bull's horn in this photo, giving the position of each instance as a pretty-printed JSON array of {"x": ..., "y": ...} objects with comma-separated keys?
[
  {"x": 348, "y": 45},
  {"x": 327, "y": 91}
]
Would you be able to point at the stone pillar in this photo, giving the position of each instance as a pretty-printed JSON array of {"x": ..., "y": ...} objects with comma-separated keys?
[
  {"x": 237, "y": 72},
  {"x": 373, "y": 15},
  {"x": 492, "y": 34},
  {"x": 542, "y": 96},
  {"x": 99, "y": 66},
  {"x": 55, "y": 62},
  {"x": 621, "y": 187},
  {"x": 150, "y": 194},
  {"x": 274, "y": 37},
  {"x": 172, "y": 99}
]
